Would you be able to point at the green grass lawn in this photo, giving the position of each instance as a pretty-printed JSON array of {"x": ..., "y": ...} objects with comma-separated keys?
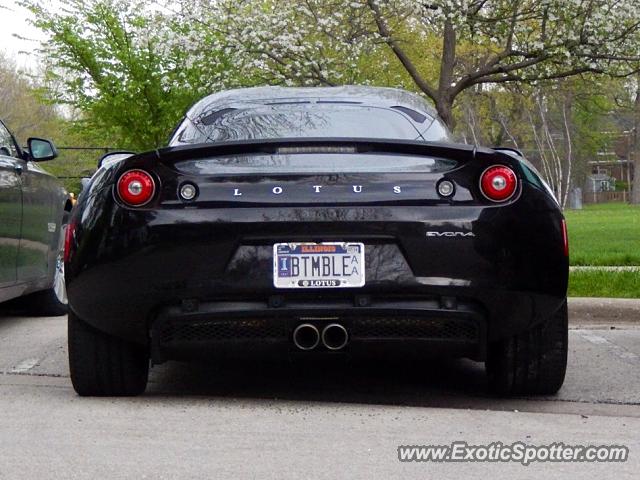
[
  {"x": 602, "y": 283},
  {"x": 604, "y": 234}
]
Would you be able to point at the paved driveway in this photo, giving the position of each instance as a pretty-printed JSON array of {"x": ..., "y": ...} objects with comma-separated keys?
[{"x": 305, "y": 421}]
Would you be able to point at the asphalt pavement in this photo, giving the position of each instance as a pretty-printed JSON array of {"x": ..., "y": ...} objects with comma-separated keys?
[{"x": 281, "y": 420}]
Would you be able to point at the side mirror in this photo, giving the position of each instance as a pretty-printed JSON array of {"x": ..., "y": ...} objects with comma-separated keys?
[
  {"x": 41, "y": 150},
  {"x": 112, "y": 157}
]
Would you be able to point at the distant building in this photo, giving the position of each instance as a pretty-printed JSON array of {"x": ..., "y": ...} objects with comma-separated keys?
[
  {"x": 599, "y": 182},
  {"x": 611, "y": 174},
  {"x": 618, "y": 169},
  {"x": 600, "y": 185}
]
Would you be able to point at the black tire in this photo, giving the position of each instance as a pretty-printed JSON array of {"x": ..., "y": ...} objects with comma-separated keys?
[
  {"x": 532, "y": 362},
  {"x": 103, "y": 365}
]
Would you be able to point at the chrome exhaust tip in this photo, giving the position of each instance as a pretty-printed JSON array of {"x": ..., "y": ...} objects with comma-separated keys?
[
  {"x": 335, "y": 336},
  {"x": 306, "y": 336}
]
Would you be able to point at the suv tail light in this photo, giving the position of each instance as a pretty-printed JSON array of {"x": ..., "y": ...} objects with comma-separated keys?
[
  {"x": 498, "y": 183},
  {"x": 136, "y": 188},
  {"x": 69, "y": 239}
]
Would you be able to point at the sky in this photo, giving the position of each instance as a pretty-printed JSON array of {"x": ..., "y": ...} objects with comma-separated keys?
[{"x": 13, "y": 20}]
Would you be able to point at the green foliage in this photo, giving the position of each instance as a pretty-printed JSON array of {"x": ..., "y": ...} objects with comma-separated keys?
[
  {"x": 621, "y": 185},
  {"x": 72, "y": 165},
  {"x": 117, "y": 63}
]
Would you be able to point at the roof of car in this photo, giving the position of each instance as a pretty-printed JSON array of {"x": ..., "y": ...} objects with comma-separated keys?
[{"x": 371, "y": 96}]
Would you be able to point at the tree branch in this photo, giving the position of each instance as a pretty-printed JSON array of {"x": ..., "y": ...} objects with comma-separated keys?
[{"x": 383, "y": 30}]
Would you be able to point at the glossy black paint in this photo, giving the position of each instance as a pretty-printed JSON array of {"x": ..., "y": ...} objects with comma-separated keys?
[
  {"x": 211, "y": 258},
  {"x": 32, "y": 206}
]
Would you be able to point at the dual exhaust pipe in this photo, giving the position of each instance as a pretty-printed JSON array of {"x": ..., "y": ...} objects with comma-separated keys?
[{"x": 307, "y": 336}]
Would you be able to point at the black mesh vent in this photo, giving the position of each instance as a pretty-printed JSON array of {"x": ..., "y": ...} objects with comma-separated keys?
[
  {"x": 220, "y": 330},
  {"x": 414, "y": 327}
]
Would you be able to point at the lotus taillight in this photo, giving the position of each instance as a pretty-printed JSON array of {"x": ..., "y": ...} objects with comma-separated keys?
[
  {"x": 498, "y": 183},
  {"x": 136, "y": 188}
]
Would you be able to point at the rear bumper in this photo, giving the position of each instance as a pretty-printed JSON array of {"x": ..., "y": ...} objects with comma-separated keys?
[
  {"x": 133, "y": 269},
  {"x": 240, "y": 329},
  {"x": 131, "y": 308}
]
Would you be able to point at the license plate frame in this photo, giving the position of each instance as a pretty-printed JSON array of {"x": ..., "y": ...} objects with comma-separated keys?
[{"x": 343, "y": 257}]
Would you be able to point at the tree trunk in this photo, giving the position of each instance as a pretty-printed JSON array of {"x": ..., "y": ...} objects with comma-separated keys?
[
  {"x": 567, "y": 116},
  {"x": 444, "y": 100},
  {"x": 444, "y": 107},
  {"x": 635, "y": 150}
]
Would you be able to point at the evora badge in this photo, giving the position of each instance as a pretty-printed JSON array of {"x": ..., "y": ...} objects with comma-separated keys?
[{"x": 450, "y": 234}]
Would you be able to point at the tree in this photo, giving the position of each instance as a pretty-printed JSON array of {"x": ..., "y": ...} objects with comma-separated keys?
[
  {"x": 130, "y": 71},
  {"x": 24, "y": 111},
  {"x": 480, "y": 41},
  {"x": 20, "y": 105},
  {"x": 114, "y": 49},
  {"x": 627, "y": 116},
  {"x": 556, "y": 156},
  {"x": 560, "y": 125}
]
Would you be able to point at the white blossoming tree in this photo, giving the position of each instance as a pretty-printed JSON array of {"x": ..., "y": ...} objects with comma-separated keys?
[
  {"x": 443, "y": 46},
  {"x": 133, "y": 67},
  {"x": 439, "y": 47}
]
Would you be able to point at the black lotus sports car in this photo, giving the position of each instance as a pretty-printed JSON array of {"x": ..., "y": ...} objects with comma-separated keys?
[{"x": 316, "y": 222}]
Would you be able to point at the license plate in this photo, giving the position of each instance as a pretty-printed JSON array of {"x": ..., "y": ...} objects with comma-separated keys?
[{"x": 318, "y": 265}]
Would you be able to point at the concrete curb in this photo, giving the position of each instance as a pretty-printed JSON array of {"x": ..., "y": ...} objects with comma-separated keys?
[{"x": 604, "y": 311}]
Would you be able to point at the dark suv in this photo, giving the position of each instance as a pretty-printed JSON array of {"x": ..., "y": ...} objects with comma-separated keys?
[{"x": 33, "y": 210}]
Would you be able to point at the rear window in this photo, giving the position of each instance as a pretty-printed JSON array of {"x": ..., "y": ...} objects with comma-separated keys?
[
  {"x": 300, "y": 120},
  {"x": 317, "y": 163}
]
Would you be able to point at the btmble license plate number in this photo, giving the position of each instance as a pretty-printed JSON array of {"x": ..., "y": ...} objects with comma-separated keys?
[{"x": 318, "y": 265}]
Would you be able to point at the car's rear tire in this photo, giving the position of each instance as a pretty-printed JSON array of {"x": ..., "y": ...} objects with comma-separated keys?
[
  {"x": 103, "y": 365},
  {"x": 532, "y": 362}
]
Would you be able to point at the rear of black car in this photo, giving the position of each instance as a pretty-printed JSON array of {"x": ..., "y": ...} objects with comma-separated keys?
[{"x": 316, "y": 246}]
